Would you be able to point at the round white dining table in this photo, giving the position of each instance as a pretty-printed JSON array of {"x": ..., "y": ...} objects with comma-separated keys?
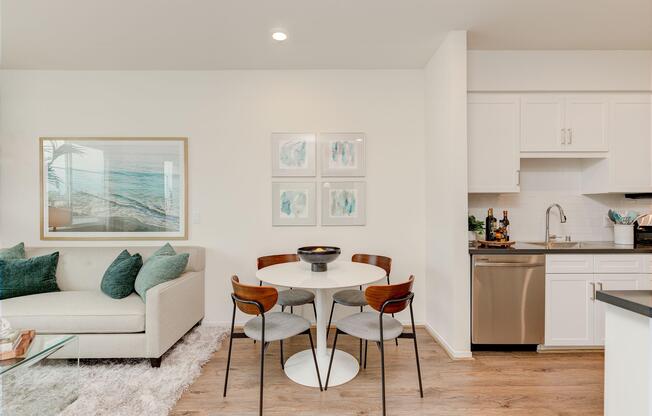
[{"x": 300, "y": 368}]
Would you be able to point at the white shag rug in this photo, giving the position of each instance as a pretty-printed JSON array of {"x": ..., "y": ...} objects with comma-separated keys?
[{"x": 112, "y": 387}]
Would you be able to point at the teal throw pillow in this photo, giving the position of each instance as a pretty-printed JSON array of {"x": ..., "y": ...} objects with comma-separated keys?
[
  {"x": 11, "y": 253},
  {"x": 21, "y": 277},
  {"x": 164, "y": 265},
  {"x": 119, "y": 278}
]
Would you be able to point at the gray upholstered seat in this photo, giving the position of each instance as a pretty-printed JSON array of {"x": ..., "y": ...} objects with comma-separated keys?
[
  {"x": 350, "y": 297},
  {"x": 366, "y": 325},
  {"x": 295, "y": 297},
  {"x": 278, "y": 326}
]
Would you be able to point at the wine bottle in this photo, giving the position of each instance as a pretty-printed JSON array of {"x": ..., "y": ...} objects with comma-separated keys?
[
  {"x": 504, "y": 224},
  {"x": 490, "y": 225}
]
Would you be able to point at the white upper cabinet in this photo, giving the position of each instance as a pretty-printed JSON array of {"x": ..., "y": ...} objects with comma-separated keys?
[
  {"x": 586, "y": 123},
  {"x": 554, "y": 123},
  {"x": 630, "y": 154},
  {"x": 542, "y": 121},
  {"x": 493, "y": 133}
]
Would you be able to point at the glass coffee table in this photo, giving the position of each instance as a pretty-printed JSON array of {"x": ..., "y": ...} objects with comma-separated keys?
[{"x": 29, "y": 385}]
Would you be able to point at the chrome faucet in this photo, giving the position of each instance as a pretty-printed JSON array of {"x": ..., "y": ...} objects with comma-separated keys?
[{"x": 562, "y": 219}]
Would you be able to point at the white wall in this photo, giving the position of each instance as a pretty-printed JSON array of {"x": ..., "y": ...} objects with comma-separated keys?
[
  {"x": 447, "y": 258},
  {"x": 544, "y": 182},
  {"x": 228, "y": 117},
  {"x": 560, "y": 70}
]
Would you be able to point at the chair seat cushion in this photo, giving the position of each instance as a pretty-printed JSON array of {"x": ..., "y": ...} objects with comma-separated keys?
[
  {"x": 366, "y": 325},
  {"x": 295, "y": 297},
  {"x": 75, "y": 312},
  {"x": 278, "y": 325},
  {"x": 350, "y": 297}
]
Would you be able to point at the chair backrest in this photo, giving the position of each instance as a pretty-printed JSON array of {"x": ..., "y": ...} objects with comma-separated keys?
[
  {"x": 377, "y": 295},
  {"x": 265, "y": 295},
  {"x": 380, "y": 261},
  {"x": 276, "y": 259}
]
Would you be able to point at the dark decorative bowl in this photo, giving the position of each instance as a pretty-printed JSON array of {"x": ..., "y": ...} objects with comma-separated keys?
[{"x": 318, "y": 256}]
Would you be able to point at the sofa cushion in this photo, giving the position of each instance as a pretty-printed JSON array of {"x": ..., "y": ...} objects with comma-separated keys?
[
  {"x": 75, "y": 312},
  {"x": 165, "y": 264},
  {"x": 15, "y": 252},
  {"x": 21, "y": 277},
  {"x": 118, "y": 280}
]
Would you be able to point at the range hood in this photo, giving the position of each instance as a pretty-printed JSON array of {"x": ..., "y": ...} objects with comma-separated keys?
[{"x": 642, "y": 195}]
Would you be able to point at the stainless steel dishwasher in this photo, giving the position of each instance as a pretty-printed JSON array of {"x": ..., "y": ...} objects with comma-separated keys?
[{"x": 508, "y": 299}]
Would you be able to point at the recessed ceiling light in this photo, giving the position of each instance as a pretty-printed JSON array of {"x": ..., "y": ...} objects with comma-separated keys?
[{"x": 279, "y": 36}]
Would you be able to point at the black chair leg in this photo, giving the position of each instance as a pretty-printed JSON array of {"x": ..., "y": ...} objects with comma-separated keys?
[
  {"x": 366, "y": 345},
  {"x": 314, "y": 358},
  {"x": 416, "y": 351},
  {"x": 382, "y": 372},
  {"x": 228, "y": 360},
  {"x": 330, "y": 364},
  {"x": 262, "y": 373},
  {"x": 291, "y": 309},
  {"x": 282, "y": 360},
  {"x": 314, "y": 309},
  {"x": 330, "y": 319}
]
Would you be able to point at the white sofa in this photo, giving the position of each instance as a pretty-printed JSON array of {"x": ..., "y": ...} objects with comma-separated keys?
[{"x": 111, "y": 328}]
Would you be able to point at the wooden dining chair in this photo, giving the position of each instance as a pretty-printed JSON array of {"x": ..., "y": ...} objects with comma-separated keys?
[
  {"x": 378, "y": 327},
  {"x": 265, "y": 327},
  {"x": 288, "y": 297},
  {"x": 356, "y": 297}
]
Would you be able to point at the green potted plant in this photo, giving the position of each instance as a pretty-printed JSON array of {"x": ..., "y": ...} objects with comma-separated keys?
[{"x": 476, "y": 227}]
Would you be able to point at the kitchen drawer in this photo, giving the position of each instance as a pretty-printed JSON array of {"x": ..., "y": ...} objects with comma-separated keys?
[
  {"x": 623, "y": 263},
  {"x": 569, "y": 263}
]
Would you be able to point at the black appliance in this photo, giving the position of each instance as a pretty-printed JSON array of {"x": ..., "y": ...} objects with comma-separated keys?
[{"x": 643, "y": 231}]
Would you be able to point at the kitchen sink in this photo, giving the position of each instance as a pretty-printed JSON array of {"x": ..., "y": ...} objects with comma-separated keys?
[{"x": 558, "y": 244}]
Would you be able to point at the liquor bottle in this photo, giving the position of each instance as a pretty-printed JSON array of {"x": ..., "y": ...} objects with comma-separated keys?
[
  {"x": 504, "y": 224},
  {"x": 490, "y": 226}
]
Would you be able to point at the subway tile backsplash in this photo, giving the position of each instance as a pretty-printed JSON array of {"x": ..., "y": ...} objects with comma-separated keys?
[{"x": 543, "y": 182}]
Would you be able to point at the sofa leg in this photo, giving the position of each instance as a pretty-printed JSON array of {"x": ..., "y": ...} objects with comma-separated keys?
[{"x": 155, "y": 362}]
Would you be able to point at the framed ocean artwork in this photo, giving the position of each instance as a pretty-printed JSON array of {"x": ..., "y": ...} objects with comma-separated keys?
[
  {"x": 293, "y": 203},
  {"x": 293, "y": 154},
  {"x": 343, "y": 203},
  {"x": 114, "y": 188},
  {"x": 342, "y": 154}
]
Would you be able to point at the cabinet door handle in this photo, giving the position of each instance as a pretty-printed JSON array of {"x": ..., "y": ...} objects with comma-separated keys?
[
  {"x": 563, "y": 136},
  {"x": 518, "y": 177},
  {"x": 592, "y": 291},
  {"x": 570, "y": 136}
]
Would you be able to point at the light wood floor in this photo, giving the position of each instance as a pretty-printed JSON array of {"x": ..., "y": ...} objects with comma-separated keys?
[{"x": 522, "y": 383}]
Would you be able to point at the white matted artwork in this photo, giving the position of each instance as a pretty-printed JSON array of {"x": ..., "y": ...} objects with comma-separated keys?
[
  {"x": 343, "y": 203},
  {"x": 293, "y": 203},
  {"x": 342, "y": 154},
  {"x": 293, "y": 154}
]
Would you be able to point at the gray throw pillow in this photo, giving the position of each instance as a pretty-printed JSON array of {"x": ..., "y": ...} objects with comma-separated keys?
[
  {"x": 12, "y": 253},
  {"x": 119, "y": 278},
  {"x": 164, "y": 265}
]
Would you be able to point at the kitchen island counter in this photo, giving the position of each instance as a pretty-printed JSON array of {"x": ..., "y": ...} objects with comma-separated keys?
[{"x": 583, "y": 247}]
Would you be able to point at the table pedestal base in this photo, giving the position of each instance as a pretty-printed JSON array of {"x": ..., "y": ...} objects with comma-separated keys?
[{"x": 300, "y": 368}]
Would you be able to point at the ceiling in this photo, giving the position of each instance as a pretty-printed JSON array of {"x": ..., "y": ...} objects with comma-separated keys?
[{"x": 346, "y": 34}]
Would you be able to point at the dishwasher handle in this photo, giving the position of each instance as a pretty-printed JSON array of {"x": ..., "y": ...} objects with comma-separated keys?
[{"x": 509, "y": 264}]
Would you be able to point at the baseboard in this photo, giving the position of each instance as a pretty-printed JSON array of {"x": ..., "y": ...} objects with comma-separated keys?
[
  {"x": 569, "y": 350},
  {"x": 452, "y": 353}
]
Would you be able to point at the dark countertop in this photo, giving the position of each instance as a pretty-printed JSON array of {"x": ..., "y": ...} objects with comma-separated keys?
[
  {"x": 584, "y": 247},
  {"x": 637, "y": 301}
]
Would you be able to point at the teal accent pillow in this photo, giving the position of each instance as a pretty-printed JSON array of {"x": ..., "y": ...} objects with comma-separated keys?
[
  {"x": 15, "y": 252},
  {"x": 164, "y": 265},
  {"x": 21, "y": 277},
  {"x": 119, "y": 278}
]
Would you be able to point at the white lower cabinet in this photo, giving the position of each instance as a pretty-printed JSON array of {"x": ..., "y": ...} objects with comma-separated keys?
[
  {"x": 569, "y": 309},
  {"x": 573, "y": 317}
]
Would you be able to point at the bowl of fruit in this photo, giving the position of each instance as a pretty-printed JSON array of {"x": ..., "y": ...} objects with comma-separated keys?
[{"x": 318, "y": 256}]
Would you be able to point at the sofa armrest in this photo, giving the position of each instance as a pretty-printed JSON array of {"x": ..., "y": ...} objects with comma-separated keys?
[{"x": 172, "y": 308}]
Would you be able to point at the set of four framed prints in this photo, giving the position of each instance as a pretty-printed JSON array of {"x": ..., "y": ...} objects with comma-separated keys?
[{"x": 332, "y": 160}]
